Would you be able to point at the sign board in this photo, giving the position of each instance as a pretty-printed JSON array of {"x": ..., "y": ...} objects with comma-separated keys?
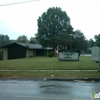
[
  {"x": 63, "y": 56},
  {"x": 96, "y": 54}
]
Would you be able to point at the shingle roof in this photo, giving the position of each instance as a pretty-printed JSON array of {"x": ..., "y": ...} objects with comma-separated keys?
[
  {"x": 35, "y": 46},
  {"x": 30, "y": 46}
]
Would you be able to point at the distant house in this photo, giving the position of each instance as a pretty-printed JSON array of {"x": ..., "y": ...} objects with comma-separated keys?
[{"x": 21, "y": 50}]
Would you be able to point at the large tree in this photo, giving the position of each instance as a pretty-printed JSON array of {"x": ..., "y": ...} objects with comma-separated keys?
[{"x": 51, "y": 25}]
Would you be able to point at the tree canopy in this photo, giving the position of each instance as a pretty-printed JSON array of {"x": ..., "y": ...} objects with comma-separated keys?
[
  {"x": 80, "y": 42},
  {"x": 4, "y": 39},
  {"x": 22, "y": 39},
  {"x": 33, "y": 40},
  {"x": 91, "y": 43},
  {"x": 97, "y": 40},
  {"x": 51, "y": 25}
]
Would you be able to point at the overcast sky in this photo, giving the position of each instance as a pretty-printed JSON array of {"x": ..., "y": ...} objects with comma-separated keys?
[{"x": 21, "y": 19}]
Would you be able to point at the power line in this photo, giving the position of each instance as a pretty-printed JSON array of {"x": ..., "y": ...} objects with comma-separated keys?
[{"x": 17, "y": 3}]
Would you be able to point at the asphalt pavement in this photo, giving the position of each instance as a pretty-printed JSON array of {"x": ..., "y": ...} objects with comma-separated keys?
[{"x": 47, "y": 89}]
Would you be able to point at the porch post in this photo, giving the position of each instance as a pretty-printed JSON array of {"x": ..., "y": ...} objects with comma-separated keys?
[
  {"x": 27, "y": 53},
  {"x": 5, "y": 54}
]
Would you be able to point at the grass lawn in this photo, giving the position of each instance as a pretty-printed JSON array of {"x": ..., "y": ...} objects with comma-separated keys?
[
  {"x": 47, "y": 63},
  {"x": 39, "y": 74}
]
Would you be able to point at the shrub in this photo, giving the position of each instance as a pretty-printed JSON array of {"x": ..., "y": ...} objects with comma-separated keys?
[{"x": 51, "y": 54}]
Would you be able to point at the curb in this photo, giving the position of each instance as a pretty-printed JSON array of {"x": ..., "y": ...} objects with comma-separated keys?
[
  {"x": 75, "y": 79},
  {"x": 54, "y": 79}
]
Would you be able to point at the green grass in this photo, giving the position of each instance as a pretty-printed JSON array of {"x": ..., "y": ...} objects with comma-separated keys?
[
  {"x": 47, "y": 63},
  {"x": 39, "y": 74}
]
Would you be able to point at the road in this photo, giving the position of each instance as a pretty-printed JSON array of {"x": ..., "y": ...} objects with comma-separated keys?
[{"x": 47, "y": 90}]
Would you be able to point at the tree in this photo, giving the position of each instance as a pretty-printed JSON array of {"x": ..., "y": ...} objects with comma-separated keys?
[
  {"x": 22, "y": 39},
  {"x": 97, "y": 40},
  {"x": 33, "y": 40},
  {"x": 65, "y": 40},
  {"x": 80, "y": 42},
  {"x": 91, "y": 43},
  {"x": 51, "y": 25},
  {"x": 4, "y": 39}
]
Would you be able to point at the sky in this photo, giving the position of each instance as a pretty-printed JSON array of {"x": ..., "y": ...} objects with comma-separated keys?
[{"x": 21, "y": 19}]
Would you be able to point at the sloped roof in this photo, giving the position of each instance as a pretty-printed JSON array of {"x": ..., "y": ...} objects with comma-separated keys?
[
  {"x": 35, "y": 46},
  {"x": 30, "y": 46}
]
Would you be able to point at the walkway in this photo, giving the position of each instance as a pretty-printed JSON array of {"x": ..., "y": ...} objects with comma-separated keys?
[{"x": 45, "y": 70}]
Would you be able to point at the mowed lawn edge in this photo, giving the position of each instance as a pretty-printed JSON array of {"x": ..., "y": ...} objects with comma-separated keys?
[{"x": 50, "y": 74}]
